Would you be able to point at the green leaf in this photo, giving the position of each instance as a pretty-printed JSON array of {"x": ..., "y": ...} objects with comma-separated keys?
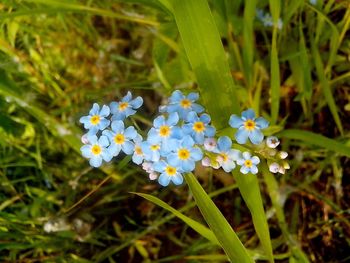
[
  {"x": 207, "y": 57},
  {"x": 228, "y": 239},
  {"x": 317, "y": 139},
  {"x": 249, "y": 187},
  {"x": 198, "y": 227}
]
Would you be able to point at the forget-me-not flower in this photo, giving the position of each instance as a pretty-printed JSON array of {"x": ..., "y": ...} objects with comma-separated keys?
[
  {"x": 198, "y": 127},
  {"x": 267, "y": 19},
  {"x": 168, "y": 173},
  {"x": 183, "y": 104},
  {"x": 126, "y": 107},
  {"x": 248, "y": 127},
  {"x": 96, "y": 120},
  {"x": 184, "y": 154},
  {"x": 96, "y": 150},
  {"x": 164, "y": 129},
  {"x": 248, "y": 163},
  {"x": 226, "y": 156},
  {"x": 120, "y": 138},
  {"x": 151, "y": 151}
]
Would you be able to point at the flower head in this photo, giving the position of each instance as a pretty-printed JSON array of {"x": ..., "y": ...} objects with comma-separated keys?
[
  {"x": 126, "y": 107},
  {"x": 184, "y": 154},
  {"x": 151, "y": 151},
  {"x": 272, "y": 142},
  {"x": 164, "y": 129},
  {"x": 96, "y": 120},
  {"x": 183, "y": 104},
  {"x": 120, "y": 138},
  {"x": 198, "y": 127},
  {"x": 248, "y": 163},
  {"x": 248, "y": 127},
  {"x": 168, "y": 173},
  {"x": 226, "y": 156},
  {"x": 96, "y": 150}
]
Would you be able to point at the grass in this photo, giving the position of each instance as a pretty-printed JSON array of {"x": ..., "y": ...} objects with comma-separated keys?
[{"x": 59, "y": 57}]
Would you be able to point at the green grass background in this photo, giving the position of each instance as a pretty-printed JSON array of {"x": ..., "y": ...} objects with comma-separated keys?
[{"x": 59, "y": 57}]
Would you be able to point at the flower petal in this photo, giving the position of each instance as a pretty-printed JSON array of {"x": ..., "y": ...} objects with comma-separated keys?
[
  {"x": 95, "y": 109},
  {"x": 224, "y": 143},
  {"x": 136, "y": 103},
  {"x": 159, "y": 121},
  {"x": 104, "y": 111},
  {"x": 96, "y": 161},
  {"x": 235, "y": 121},
  {"x": 188, "y": 166},
  {"x": 117, "y": 126},
  {"x": 196, "y": 154},
  {"x": 244, "y": 169},
  {"x": 128, "y": 147},
  {"x": 248, "y": 114},
  {"x": 103, "y": 124},
  {"x": 130, "y": 132},
  {"x": 246, "y": 155},
  {"x": 255, "y": 160},
  {"x": 173, "y": 119},
  {"x": 256, "y": 136},
  {"x": 193, "y": 96},
  {"x": 177, "y": 179},
  {"x": 254, "y": 169},
  {"x": 103, "y": 141},
  {"x": 164, "y": 179},
  {"x": 241, "y": 135},
  {"x": 86, "y": 151},
  {"x": 261, "y": 122}
]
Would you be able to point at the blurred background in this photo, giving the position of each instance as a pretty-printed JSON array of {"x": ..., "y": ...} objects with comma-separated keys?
[{"x": 57, "y": 58}]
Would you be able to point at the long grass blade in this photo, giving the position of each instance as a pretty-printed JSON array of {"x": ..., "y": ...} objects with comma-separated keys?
[
  {"x": 249, "y": 187},
  {"x": 218, "y": 224},
  {"x": 198, "y": 227},
  {"x": 206, "y": 55},
  {"x": 318, "y": 140}
]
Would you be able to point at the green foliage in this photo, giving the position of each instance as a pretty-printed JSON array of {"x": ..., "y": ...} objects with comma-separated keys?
[{"x": 59, "y": 57}]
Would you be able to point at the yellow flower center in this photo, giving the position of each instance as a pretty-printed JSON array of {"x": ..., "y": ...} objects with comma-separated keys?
[
  {"x": 170, "y": 170},
  {"x": 96, "y": 149},
  {"x": 224, "y": 157},
  {"x": 119, "y": 139},
  {"x": 248, "y": 163},
  {"x": 198, "y": 126},
  {"x": 164, "y": 131},
  {"x": 185, "y": 103},
  {"x": 138, "y": 150},
  {"x": 155, "y": 147},
  {"x": 123, "y": 106},
  {"x": 249, "y": 125},
  {"x": 183, "y": 154},
  {"x": 95, "y": 119}
]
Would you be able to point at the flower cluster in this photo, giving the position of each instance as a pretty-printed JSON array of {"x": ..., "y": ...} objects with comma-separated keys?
[
  {"x": 180, "y": 136},
  {"x": 267, "y": 19},
  {"x": 107, "y": 135}
]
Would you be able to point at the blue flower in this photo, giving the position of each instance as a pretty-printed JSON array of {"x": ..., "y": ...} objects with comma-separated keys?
[
  {"x": 248, "y": 126},
  {"x": 125, "y": 107},
  {"x": 267, "y": 19},
  {"x": 313, "y": 2},
  {"x": 96, "y": 150},
  {"x": 164, "y": 130},
  {"x": 248, "y": 163},
  {"x": 183, "y": 104},
  {"x": 198, "y": 127},
  {"x": 168, "y": 173},
  {"x": 120, "y": 138},
  {"x": 96, "y": 120},
  {"x": 138, "y": 155},
  {"x": 184, "y": 154},
  {"x": 226, "y": 156},
  {"x": 151, "y": 151}
]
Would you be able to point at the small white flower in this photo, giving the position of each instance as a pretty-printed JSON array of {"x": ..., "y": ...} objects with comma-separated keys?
[
  {"x": 272, "y": 142},
  {"x": 282, "y": 155},
  {"x": 210, "y": 144},
  {"x": 274, "y": 168}
]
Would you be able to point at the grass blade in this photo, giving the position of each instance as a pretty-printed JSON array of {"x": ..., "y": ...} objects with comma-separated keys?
[
  {"x": 249, "y": 187},
  {"x": 218, "y": 224},
  {"x": 198, "y": 227},
  {"x": 318, "y": 140},
  {"x": 206, "y": 55}
]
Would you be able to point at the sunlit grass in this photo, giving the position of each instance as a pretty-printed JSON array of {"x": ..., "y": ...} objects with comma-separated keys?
[{"x": 59, "y": 57}]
